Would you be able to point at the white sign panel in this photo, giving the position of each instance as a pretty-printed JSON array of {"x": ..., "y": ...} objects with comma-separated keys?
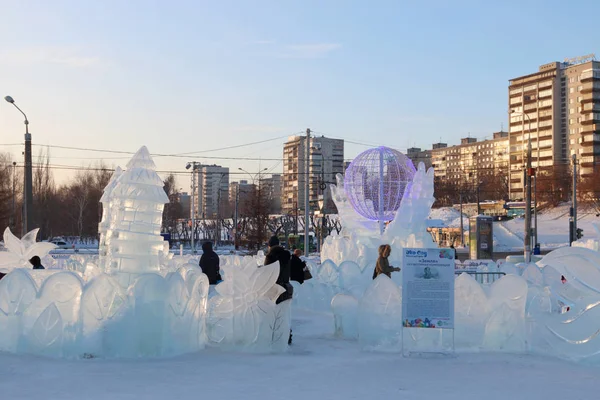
[{"x": 428, "y": 288}]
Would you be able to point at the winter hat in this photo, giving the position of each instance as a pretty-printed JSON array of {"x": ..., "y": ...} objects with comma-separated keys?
[{"x": 274, "y": 241}]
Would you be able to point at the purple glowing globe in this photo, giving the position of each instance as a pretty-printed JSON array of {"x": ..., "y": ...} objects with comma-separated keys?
[{"x": 375, "y": 182}]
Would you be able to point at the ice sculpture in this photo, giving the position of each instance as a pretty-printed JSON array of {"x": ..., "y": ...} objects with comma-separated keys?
[
  {"x": 107, "y": 207},
  {"x": 375, "y": 182},
  {"x": 472, "y": 310},
  {"x": 243, "y": 315},
  {"x": 17, "y": 292},
  {"x": 359, "y": 238},
  {"x": 20, "y": 251},
  {"x": 345, "y": 309},
  {"x": 136, "y": 204},
  {"x": 505, "y": 330},
  {"x": 380, "y": 316}
]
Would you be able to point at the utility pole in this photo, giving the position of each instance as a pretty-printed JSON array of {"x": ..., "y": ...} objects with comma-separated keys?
[
  {"x": 194, "y": 166},
  {"x": 193, "y": 209},
  {"x": 380, "y": 196},
  {"x": 462, "y": 229},
  {"x": 28, "y": 175},
  {"x": 296, "y": 224},
  {"x": 528, "y": 173},
  {"x": 535, "y": 204},
  {"x": 478, "y": 202},
  {"x": 306, "y": 189},
  {"x": 235, "y": 217},
  {"x": 573, "y": 218}
]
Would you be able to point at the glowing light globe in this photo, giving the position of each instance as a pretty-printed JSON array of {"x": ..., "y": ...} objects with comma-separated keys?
[{"x": 375, "y": 182}]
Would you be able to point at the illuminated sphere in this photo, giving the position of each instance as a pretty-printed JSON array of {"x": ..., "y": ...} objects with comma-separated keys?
[{"x": 362, "y": 182}]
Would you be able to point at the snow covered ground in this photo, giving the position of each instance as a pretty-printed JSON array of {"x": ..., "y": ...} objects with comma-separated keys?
[
  {"x": 317, "y": 366},
  {"x": 553, "y": 229}
]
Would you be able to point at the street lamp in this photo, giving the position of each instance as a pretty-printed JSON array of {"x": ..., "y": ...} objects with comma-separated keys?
[
  {"x": 321, "y": 203},
  {"x": 27, "y": 176},
  {"x": 194, "y": 166},
  {"x": 527, "y": 175}
]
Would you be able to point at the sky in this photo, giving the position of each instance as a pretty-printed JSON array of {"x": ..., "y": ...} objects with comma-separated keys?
[{"x": 188, "y": 78}]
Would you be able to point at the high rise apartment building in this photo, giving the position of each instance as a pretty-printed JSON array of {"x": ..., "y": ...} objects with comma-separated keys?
[
  {"x": 558, "y": 110},
  {"x": 325, "y": 158},
  {"x": 471, "y": 160},
  {"x": 271, "y": 187},
  {"x": 243, "y": 191},
  {"x": 212, "y": 190},
  {"x": 417, "y": 156}
]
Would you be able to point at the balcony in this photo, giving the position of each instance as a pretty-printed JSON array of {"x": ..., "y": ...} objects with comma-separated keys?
[
  {"x": 590, "y": 87},
  {"x": 590, "y": 76},
  {"x": 591, "y": 97},
  {"x": 591, "y": 119}
]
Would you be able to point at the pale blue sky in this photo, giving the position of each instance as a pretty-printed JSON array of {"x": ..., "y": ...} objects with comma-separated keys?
[{"x": 183, "y": 76}]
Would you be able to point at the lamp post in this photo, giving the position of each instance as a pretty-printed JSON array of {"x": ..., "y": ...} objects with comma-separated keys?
[
  {"x": 27, "y": 176},
  {"x": 528, "y": 172},
  {"x": 306, "y": 194},
  {"x": 194, "y": 166},
  {"x": 321, "y": 202}
]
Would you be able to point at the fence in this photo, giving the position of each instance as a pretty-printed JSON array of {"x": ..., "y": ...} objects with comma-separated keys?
[{"x": 484, "y": 278}]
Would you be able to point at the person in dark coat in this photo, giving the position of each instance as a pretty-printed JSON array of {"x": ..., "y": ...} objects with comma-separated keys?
[
  {"x": 278, "y": 253},
  {"x": 36, "y": 262},
  {"x": 297, "y": 267},
  {"x": 209, "y": 262},
  {"x": 455, "y": 252}
]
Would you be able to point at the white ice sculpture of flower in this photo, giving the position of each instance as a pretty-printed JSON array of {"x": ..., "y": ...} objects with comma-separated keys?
[
  {"x": 20, "y": 251},
  {"x": 244, "y": 310},
  {"x": 414, "y": 210}
]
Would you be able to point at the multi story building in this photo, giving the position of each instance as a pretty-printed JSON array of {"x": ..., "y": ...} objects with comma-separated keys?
[
  {"x": 271, "y": 188},
  {"x": 325, "y": 158},
  {"x": 471, "y": 160},
  {"x": 243, "y": 191},
  {"x": 417, "y": 156},
  {"x": 558, "y": 110},
  {"x": 184, "y": 200},
  {"x": 212, "y": 190}
]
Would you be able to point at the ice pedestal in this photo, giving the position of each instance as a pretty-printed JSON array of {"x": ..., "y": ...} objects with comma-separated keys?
[
  {"x": 380, "y": 316},
  {"x": 345, "y": 312},
  {"x": 243, "y": 315}
]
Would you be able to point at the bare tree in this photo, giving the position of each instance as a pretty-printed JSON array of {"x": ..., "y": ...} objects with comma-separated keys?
[
  {"x": 44, "y": 195},
  {"x": 173, "y": 210}
]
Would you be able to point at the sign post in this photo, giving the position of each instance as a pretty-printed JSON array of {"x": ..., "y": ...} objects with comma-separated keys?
[{"x": 428, "y": 294}]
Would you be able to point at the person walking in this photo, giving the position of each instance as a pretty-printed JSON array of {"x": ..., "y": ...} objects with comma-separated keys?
[
  {"x": 383, "y": 265},
  {"x": 297, "y": 267},
  {"x": 209, "y": 262},
  {"x": 36, "y": 262}
]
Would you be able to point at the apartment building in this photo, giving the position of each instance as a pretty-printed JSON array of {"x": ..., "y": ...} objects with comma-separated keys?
[
  {"x": 212, "y": 190},
  {"x": 557, "y": 108},
  {"x": 471, "y": 160},
  {"x": 417, "y": 156},
  {"x": 243, "y": 191},
  {"x": 325, "y": 158},
  {"x": 271, "y": 188}
]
